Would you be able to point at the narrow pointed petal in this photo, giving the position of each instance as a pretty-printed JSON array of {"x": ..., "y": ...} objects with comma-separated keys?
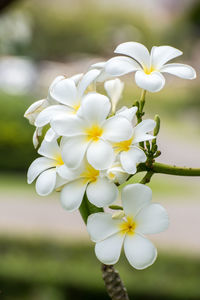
[
  {"x": 100, "y": 155},
  {"x": 102, "y": 192},
  {"x": 86, "y": 80},
  {"x": 153, "y": 82},
  {"x": 95, "y": 108},
  {"x": 135, "y": 197},
  {"x": 108, "y": 251},
  {"x": 135, "y": 50},
  {"x": 50, "y": 135},
  {"x": 117, "y": 129},
  {"x": 139, "y": 251},
  {"x": 45, "y": 116},
  {"x": 73, "y": 151},
  {"x": 38, "y": 166},
  {"x": 180, "y": 70},
  {"x": 72, "y": 194},
  {"x": 114, "y": 89},
  {"x": 50, "y": 150},
  {"x": 65, "y": 92},
  {"x": 130, "y": 159},
  {"x": 46, "y": 182},
  {"x": 151, "y": 219},
  {"x": 128, "y": 113},
  {"x": 121, "y": 65},
  {"x": 142, "y": 129},
  {"x": 68, "y": 125},
  {"x": 101, "y": 225},
  {"x": 161, "y": 55},
  {"x": 37, "y": 133}
]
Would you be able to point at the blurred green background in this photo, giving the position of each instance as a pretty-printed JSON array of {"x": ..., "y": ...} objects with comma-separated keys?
[{"x": 45, "y": 253}]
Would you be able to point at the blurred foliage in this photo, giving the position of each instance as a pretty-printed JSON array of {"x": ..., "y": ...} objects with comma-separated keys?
[
  {"x": 16, "y": 149},
  {"x": 58, "y": 32},
  {"x": 33, "y": 269}
]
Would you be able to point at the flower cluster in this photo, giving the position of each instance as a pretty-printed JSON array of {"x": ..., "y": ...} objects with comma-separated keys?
[{"x": 90, "y": 148}]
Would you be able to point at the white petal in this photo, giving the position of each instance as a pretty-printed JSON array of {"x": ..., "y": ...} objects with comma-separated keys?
[
  {"x": 117, "y": 174},
  {"x": 152, "y": 82},
  {"x": 50, "y": 135},
  {"x": 72, "y": 194},
  {"x": 86, "y": 80},
  {"x": 73, "y": 151},
  {"x": 128, "y": 113},
  {"x": 50, "y": 150},
  {"x": 141, "y": 131},
  {"x": 48, "y": 113},
  {"x": 121, "y": 65},
  {"x": 180, "y": 70},
  {"x": 102, "y": 192},
  {"x": 151, "y": 219},
  {"x": 139, "y": 251},
  {"x": 95, "y": 108},
  {"x": 68, "y": 125},
  {"x": 65, "y": 92},
  {"x": 160, "y": 55},
  {"x": 36, "y": 134},
  {"x": 108, "y": 251},
  {"x": 99, "y": 65},
  {"x": 76, "y": 78},
  {"x": 67, "y": 173},
  {"x": 129, "y": 159},
  {"x": 38, "y": 166},
  {"x": 135, "y": 50},
  {"x": 135, "y": 197},
  {"x": 35, "y": 108},
  {"x": 117, "y": 129},
  {"x": 60, "y": 182},
  {"x": 114, "y": 89},
  {"x": 45, "y": 183},
  {"x": 102, "y": 225},
  {"x": 100, "y": 155}
]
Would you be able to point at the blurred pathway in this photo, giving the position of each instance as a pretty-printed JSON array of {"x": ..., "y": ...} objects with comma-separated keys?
[{"x": 46, "y": 218}]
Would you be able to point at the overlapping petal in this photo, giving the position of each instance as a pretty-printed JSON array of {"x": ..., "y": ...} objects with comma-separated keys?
[
  {"x": 121, "y": 65},
  {"x": 141, "y": 131},
  {"x": 152, "y": 82},
  {"x": 108, "y": 250},
  {"x": 151, "y": 219},
  {"x": 102, "y": 192},
  {"x": 100, "y": 154},
  {"x": 162, "y": 54},
  {"x": 45, "y": 116},
  {"x": 38, "y": 166},
  {"x": 50, "y": 150},
  {"x": 65, "y": 92},
  {"x": 139, "y": 251},
  {"x": 68, "y": 125},
  {"x": 135, "y": 197},
  {"x": 117, "y": 129},
  {"x": 130, "y": 159},
  {"x": 46, "y": 182}
]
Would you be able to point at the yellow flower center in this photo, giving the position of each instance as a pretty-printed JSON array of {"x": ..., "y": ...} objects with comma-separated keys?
[
  {"x": 149, "y": 70},
  {"x": 90, "y": 174},
  {"x": 123, "y": 146},
  {"x": 128, "y": 226},
  {"x": 94, "y": 132},
  {"x": 76, "y": 107},
  {"x": 59, "y": 161}
]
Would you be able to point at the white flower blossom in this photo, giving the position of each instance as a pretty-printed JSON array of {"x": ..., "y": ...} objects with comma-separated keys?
[
  {"x": 46, "y": 168},
  {"x": 91, "y": 133},
  {"x": 101, "y": 190},
  {"x": 148, "y": 66},
  {"x": 140, "y": 217},
  {"x": 129, "y": 152}
]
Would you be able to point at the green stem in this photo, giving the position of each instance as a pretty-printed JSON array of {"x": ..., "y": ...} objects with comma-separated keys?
[
  {"x": 168, "y": 169},
  {"x": 147, "y": 177}
]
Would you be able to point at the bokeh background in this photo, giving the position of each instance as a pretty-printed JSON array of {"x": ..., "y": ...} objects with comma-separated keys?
[{"x": 45, "y": 252}]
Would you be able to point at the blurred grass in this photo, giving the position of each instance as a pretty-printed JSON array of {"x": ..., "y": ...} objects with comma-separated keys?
[{"x": 72, "y": 272}]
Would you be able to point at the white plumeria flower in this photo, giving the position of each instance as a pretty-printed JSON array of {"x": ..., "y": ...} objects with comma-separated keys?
[
  {"x": 116, "y": 173},
  {"x": 141, "y": 217},
  {"x": 46, "y": 168},
  {"x": 91, "y": 133},
  {"x": 148, "y": 66},
  {"x": 129, "y": 154},
  {"x": 114, "y": 89},
  {"x": 67, "y": 94},
  {"x": 102, "y": 76},
  {"x": 99, "y": 189}
]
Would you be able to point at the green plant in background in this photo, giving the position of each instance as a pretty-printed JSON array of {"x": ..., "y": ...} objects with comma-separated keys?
[{"x": 91, "y": 152}]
